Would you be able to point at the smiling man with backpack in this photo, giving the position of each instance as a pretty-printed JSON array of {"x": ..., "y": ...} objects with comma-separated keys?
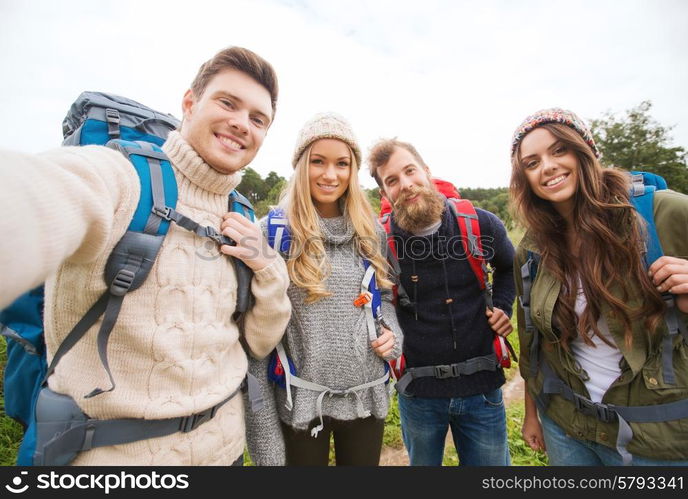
[
  {"x": 453, "y": 317},
  {"x": 121, "y": 233}
]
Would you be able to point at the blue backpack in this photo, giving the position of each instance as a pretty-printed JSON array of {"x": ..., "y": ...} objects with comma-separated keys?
[
  {"x": 138, "y": 132},
  {"x": 643, "y": 187}
]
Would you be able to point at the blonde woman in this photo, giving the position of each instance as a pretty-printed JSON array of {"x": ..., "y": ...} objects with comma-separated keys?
[{"x": 338, "y": 381}]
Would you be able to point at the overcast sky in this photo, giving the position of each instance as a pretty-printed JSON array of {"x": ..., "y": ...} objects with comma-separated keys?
[{"x": 452, "y": 77}]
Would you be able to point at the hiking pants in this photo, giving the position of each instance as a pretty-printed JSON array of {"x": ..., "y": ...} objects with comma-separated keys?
[{"x": 356, "y": 443}]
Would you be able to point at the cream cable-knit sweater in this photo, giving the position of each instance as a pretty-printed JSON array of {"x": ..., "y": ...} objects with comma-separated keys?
[{"x": 175, "y": 349}]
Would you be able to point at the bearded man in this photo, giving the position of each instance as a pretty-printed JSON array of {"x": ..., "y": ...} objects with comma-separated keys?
[{"x": 448, "y": 322}]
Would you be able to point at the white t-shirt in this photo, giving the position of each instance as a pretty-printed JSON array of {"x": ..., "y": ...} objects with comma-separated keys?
[{"x": 601, "y": 362}]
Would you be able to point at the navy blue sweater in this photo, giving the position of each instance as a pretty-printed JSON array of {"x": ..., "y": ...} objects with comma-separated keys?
[{"x": 436, "y": 332}]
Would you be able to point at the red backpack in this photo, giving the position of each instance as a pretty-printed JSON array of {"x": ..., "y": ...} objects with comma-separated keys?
[{"x": 467, "y": 219}]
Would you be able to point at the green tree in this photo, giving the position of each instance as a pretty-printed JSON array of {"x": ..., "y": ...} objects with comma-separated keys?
[
  {"x": 252, "y": 186},
  {"x": 271, "y": 199},
  {"x": 635, "y": 141},
  {"x": 271, "y": 180},
  {"x": 374, "y": 198},
  {"x": 495, "y": 200}
]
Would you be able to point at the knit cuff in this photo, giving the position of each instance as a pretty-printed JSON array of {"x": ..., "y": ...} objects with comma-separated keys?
[
  {"x": 276, "y": 270},
  {"x": 507, "y": 309}
]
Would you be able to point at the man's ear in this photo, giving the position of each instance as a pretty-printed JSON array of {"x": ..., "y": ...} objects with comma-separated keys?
[{"x": 188, "y": 102}]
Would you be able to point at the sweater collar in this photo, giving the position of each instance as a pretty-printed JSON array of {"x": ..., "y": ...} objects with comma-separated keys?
[
  {"x": 336, "y": 230},
  {"x": 195, "y": 169}
]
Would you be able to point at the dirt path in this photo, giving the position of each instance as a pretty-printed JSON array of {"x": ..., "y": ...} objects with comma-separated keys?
[{"x": 512, "y": 390}]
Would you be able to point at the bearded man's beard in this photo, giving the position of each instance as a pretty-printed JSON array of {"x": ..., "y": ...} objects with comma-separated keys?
[{"x": 420, "y": 213}]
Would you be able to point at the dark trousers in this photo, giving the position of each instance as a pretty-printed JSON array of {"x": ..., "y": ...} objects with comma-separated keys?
[{"x": 356, "y": 443}]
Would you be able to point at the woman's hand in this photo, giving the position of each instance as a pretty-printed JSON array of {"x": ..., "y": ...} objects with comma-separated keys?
[
  {"x": 384, "y": 344},
  {"x": 670, "y": 274},
  {"x": 532, "y": 429},
  {"x": 532, "y": 433}
]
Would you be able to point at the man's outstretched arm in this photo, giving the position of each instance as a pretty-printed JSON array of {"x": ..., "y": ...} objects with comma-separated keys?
[{"x": 58, "y": 205}]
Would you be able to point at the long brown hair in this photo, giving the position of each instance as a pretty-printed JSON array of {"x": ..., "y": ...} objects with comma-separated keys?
[{"x": 613, "y": 237}]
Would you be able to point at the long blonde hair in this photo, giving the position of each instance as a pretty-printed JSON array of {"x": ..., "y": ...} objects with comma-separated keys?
[{"x": 308, "y": 264}]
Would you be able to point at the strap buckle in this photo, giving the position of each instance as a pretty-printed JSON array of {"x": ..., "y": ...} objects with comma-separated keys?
[
  {"x": 363, "y": 298},
  {"x": 381, "y": 322},
  {"x": 190, "y": 423},
  {"x": 122, "y": 282},
  {"x": 211, "y": 233},
  {"x": 112, "y": 116},
  {"x": 601, "y": 411},
  {"x": 445, "y": 371},
  {"x": 164, "y": 212}
]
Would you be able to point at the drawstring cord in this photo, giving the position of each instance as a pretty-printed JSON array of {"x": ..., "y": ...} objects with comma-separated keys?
[
  {"x": 414, "y": 279},
  {"x": 449, "y": 300}
]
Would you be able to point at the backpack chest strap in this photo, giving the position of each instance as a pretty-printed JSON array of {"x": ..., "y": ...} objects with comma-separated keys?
[
  {"x": 607, "y": 413},
  {"x": 291, "y": 379},
  {"x": 170, "y": 214}
]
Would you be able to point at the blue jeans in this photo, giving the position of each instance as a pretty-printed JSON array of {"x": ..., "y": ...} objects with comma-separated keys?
[
  {"x": 478, "y": 425},
  {"x": 564, "y": 450}
]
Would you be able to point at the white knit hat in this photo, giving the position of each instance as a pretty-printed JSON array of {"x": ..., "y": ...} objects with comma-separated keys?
[{"x": 326, "y": 126}]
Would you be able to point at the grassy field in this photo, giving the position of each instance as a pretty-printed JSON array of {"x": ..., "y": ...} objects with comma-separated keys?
[{"x": 10, "y": 431}]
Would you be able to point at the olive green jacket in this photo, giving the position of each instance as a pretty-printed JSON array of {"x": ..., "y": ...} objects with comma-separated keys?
[{"x": 641, "y": 381}]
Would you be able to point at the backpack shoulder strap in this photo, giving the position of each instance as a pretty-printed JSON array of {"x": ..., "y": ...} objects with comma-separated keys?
[
  {"x": 134, "y": 255},
  {"x": 279, "y": 237},
  {"x": 467, "y": 219},
  {"x": 400, "y": 295},
  {"x": 157, "y": 181},
  {"x": 240, "y": 204},
  {"x": 528, "y": 273},
  {"x": 643, "y": 187},
  {"x": 370, "y": 299},
  {"x": 469, "y": 226},
  {"x": 386, "y": 222}
]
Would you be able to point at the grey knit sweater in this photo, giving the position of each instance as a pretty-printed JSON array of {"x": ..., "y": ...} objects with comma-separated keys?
[{"x": 328, "y": 343}]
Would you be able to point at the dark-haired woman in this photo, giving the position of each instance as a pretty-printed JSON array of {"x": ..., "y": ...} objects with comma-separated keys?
[{"x": 607, "y": 379}]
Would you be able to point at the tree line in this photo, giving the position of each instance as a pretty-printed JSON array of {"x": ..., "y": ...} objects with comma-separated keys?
[{"x": 631, "y": 141}]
